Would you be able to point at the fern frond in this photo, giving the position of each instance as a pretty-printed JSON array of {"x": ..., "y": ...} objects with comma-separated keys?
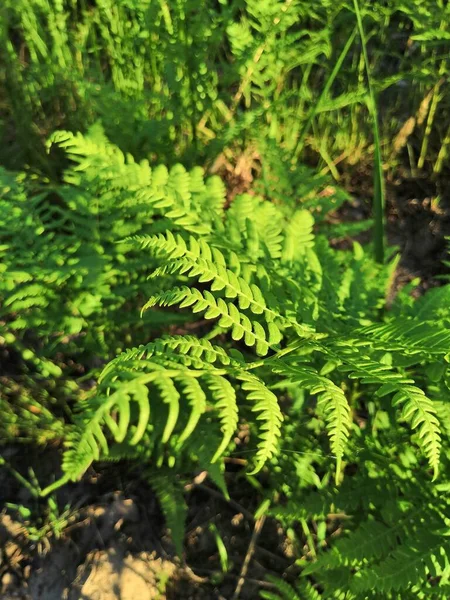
[
  {"x": 418, "y": 410},
  {"x": 409, "y": 335},
  {"x": 197, "y": 259},
  {"x": 226, "y": 406},
  {"x": 421, "y": 413},
  {"x": 284, "y": 591},
  {"x": 170, "y": 396},
  {"x": 336, "y": 407},
  {"x": 409, "y": 565},
  {"x": 196, "y": 398},
  {"x": 298, "y": 235},
  {"x": 134, "y": 382},
  {"x": 88, "y": 441},
  {"x": 160, "y": 371},
  {"x": 269, "y": 412},
  {"x": 190, "y": 350},
  {"x": 287, "y": 592},
  {"x": 241, "y": 326},
  {"x": 372, "y": 540}
]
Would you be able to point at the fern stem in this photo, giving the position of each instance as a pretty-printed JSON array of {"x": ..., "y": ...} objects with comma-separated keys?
[
  {"x": 26, "y": 484},
  {"x": 55, "y": 485},
  {"x": 378, "y": 200}
]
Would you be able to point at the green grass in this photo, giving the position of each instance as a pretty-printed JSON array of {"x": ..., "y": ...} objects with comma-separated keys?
[{"x": 378, "y": 179}]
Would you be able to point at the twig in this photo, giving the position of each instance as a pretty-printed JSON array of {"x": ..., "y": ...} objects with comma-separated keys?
[
  {"x": 193, "y": 576},
  {"x": 259, "y": 524}
]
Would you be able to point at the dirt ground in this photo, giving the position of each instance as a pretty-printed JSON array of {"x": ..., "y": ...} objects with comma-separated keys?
[
  {"x": 92, "y": 561},
  {"x": 117, "y": 548}
]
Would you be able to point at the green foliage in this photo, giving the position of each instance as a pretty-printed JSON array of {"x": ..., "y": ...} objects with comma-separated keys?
[
  {"x": 85, "y": 292},
  {"x": 170, "y": 496},
  {"x": 170, "y": 80},
  {"x": 294, "y": 340},
  {"x": 396, "y": 540},
  {"x": 287, "y": 592},
  {"x": 392, "y": 521},
  {"x": 249, "y": 318},
  {"x": 68, "y": 285},
  {"x": 148, "y": 315}
]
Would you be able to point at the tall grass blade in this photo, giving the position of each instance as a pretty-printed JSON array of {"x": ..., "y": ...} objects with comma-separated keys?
[{"x": 378, "y": 180}]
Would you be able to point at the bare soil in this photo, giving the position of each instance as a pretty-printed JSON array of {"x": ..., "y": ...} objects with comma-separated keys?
[{"x": 94, "y": 560}]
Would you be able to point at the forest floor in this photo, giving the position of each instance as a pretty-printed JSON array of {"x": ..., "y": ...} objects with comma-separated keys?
[{"x": 113, "y": 545}]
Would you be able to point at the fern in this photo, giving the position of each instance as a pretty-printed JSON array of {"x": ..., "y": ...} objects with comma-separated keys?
[
  {"x": 202, "y": 312},
  {"x": 295, "y": 346},
  {"x": 372, "y": 540},
  {"x": 423, "y": 336},
  {"x": 150, "y": 380},
  {"x": 84, "y": 283},
  {"x": 262, "y": 280},
  {"x": 266, "y": 405},
  {"x": 417, "y": 408},
  {"x": 409, "y": 565}
]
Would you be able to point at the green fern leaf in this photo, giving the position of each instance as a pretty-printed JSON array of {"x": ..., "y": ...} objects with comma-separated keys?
[
  {"x": 88, "y": 442},
  {"x": 197, "y": 400},
  {"x": 372, "y": 540},
  {"x": 410, "y": 336},
  {"x": 298, "y": 235},
  {"x": 336, "y": 407},
  {"x": 171, "y": 397},
  {"x": 269, "y": 412},
  {"x": 241, "y": 327},
  {"x": 420, "y": 412},
  {"x": 409, "y": 565},
  {"x": 226, "y": 406},
  {"x": 287, "y": 592},
  {"x": 417, "y": 408}
]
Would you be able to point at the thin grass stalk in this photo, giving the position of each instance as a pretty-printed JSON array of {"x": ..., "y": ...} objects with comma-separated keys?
[
  {"x": 378, "y": 180},
  {"x": 430, "y": 121},
  {"x": 443, "y": 153}
]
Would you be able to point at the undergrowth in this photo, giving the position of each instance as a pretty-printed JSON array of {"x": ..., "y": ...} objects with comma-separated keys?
[
  {"x": 170, "y": 81},
  {"x": 151, "y": 315},
  {"x": 248, "y": 318}
]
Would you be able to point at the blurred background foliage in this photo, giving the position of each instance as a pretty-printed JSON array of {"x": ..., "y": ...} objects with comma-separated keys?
[{"x": 186, "y": 79}]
